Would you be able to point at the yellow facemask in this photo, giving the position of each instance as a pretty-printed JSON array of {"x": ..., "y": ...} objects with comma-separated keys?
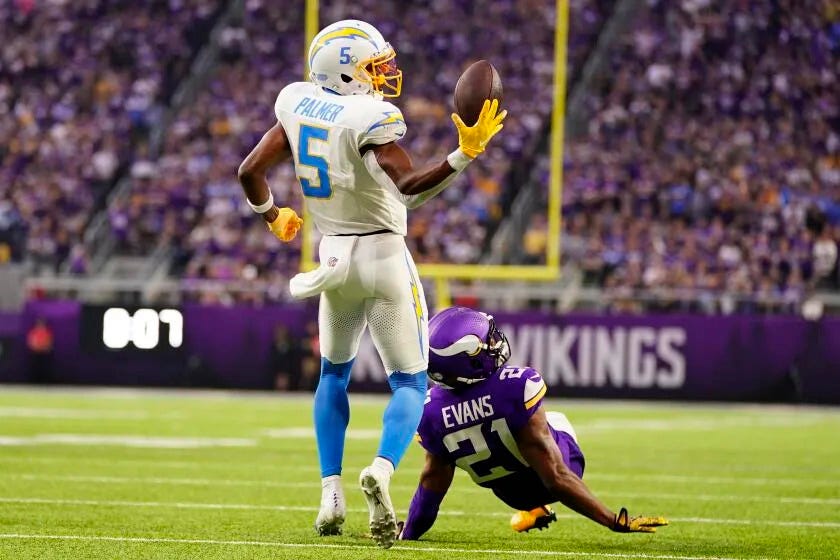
[{"x": 381, "y": 73}]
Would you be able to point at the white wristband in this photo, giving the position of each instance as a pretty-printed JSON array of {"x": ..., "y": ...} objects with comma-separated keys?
[
  {"x": 458, "y": 160},
  {"x": 264, "y": 207}
]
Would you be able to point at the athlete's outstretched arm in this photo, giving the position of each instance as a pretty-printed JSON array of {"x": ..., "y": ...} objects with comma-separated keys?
[
  {"x": 417, "y": 185},
  {"x": 434, "y": 482},
  {"x": 272, "y": 149},
  {"x": 540, "y": 450},
  {"x": 396, "y": 163}
]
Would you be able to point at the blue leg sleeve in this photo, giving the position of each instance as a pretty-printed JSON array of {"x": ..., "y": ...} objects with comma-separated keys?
[
  {"x": 332, "y": 413},
  {"x": 402, "y": 415}
]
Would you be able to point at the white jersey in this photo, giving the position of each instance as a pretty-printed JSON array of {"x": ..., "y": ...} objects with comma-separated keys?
[{"x": 326, "y": 132}]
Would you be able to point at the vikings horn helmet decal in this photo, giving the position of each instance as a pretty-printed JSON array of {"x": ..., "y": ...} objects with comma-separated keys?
[{"x": 465, "y": 347}]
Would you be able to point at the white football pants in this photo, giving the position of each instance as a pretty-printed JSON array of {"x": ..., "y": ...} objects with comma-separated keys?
[{"x": 382, "y": 290}]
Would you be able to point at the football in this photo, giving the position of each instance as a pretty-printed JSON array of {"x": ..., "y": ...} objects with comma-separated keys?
[{"x": 478, "y": 82}]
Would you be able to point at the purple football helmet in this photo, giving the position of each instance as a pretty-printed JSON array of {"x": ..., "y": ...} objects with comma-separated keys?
[{"x": 465, "y": 347}]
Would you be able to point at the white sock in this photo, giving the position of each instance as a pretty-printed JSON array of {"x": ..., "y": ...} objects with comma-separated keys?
[
  {"x": 332, "y": 495},
  {"x": 384, "y": 465},
  {"x": 332, "y": 480}
]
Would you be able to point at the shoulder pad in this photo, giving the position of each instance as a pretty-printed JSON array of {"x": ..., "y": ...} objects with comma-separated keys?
[
  {"x": 526, "y": 379},
  {"x": 534, "y": 390},
  {"x": 384, "y": 123}
]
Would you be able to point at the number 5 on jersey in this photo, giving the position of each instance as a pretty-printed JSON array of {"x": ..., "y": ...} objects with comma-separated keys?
[{"x": 309, "y": 134}]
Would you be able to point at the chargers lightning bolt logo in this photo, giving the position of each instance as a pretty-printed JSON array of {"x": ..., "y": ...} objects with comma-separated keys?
[
  {"x": 417, "y": 303},
  {"x": 391, "y": 117},
  {"x": 341, "y": 33}
]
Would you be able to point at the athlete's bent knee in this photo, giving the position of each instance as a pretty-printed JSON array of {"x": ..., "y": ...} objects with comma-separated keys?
[
  {"x": 338, "y": 370},
  {"x": 399, "y": 379}
]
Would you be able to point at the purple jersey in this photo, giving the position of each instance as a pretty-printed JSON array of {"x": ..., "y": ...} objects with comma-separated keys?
[{"x": 475, "y": 428}]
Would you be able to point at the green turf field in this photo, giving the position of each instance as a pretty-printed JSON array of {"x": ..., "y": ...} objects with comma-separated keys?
[{"x": 113, "y": 474}]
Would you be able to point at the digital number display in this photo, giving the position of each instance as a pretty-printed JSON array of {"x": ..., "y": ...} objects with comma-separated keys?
[{"x": 132, "y": 328}]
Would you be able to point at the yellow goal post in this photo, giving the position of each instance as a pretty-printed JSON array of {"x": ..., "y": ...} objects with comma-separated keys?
[{"x": 442, "y": 273}]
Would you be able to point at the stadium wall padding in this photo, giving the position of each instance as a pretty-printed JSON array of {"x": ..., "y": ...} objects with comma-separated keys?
[{"x": 723, "y": 358}]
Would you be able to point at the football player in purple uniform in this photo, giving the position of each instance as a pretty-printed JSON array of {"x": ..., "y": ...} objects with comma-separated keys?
[{"x": 487, "y": 419}]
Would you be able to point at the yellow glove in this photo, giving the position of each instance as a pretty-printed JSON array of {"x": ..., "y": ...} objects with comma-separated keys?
[
  {"x": 286, "y": 225},
  {"x": 539, "y": 518},
  {"x": 626, "y": 524},
  {"x": 473, "y": 139}
]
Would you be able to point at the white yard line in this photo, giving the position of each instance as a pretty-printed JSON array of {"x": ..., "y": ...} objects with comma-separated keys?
[
  {"x": 164, "y": 463},
  {"x": 141, "y": 393},
  {"x": 74, "y": 413},
  {"x": 693, "y": 424},
  {"x": 748, "y": 480},
  {"x": 604, "y": 425},
  {"x": 431, "y": 549},
  {"x": 170, "y": 480},
  {"x": 715, "y": 521},
  {"x": 176, "y": 505},
  {"x": 467, "y": 489},
  {"x": 269, "y": 469},
  {"x": 270, "y": 507},
  {"x": 126, "y": 440},
  {"x": 725, "y": 498},
  {"x": 304, "y": 432}
]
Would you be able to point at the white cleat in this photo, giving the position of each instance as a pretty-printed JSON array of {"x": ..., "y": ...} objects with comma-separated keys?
[
  {"x": 383, "y": 520},
  {"x": 333, "y": 509}
]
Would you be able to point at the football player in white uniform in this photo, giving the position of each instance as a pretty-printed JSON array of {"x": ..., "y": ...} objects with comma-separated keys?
[{"x": 358, "y": 183}]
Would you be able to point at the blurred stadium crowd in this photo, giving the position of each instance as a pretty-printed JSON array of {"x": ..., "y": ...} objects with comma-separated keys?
[
  {"x": 80, "y": 85},
  {"x": 711, "y": 160},
  {"x": 712, "y": 157}
]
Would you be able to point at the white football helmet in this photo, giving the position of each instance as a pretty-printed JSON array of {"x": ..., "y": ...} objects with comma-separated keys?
[{"x": 350, "y": 57}]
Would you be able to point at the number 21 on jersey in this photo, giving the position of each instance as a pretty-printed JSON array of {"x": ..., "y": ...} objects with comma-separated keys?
[
  {"x": 480, "y": 459},
  {"x": 308, "y": 135}
]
